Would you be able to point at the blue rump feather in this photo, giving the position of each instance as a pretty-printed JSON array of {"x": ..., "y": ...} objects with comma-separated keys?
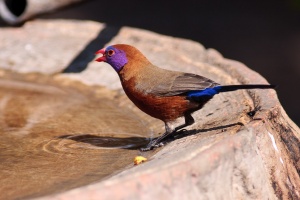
[{"x": 199, "y": 95}]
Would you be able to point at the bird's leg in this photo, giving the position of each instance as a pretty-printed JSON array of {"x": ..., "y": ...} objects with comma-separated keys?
[
  {"x": 189, "y": 120},
  {"x": 155, "y": 143}
]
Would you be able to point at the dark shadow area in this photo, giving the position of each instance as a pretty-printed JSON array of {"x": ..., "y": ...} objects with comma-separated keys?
[
  {"x": 16, "y": 7},
  {"x": 184, "y": 133},
  {"x": 135, "y": 143},
  {"x": 265, "y": 35},
  {"x": 81, "y": 61}
]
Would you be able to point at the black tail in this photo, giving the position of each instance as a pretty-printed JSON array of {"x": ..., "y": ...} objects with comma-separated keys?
[{"x": 228, "y": 88}]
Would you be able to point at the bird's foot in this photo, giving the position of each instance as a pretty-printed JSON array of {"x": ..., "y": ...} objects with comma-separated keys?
[
  {"x": 153, "y": 145},
  {"x": 146, "y": 149}
]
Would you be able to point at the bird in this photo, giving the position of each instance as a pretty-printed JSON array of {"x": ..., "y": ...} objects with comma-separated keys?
[{"x": 163, "y": 94}]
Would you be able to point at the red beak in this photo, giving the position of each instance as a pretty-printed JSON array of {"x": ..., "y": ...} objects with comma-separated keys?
[{"x": 102, "y": 58}]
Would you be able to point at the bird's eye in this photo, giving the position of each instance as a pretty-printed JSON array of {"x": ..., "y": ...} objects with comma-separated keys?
[{"x": 110, "y": 52}]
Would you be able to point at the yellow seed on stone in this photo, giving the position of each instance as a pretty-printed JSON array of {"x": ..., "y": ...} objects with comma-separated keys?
[{"x": 139, "y": 159}]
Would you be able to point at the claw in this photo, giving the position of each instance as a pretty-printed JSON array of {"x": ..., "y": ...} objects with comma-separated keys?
[
  {"x": 145, "y": 149},
  {"x": 153, "y": 145}
]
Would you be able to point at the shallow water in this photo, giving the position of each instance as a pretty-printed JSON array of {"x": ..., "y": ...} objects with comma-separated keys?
[{"x": 56, "y": 137}]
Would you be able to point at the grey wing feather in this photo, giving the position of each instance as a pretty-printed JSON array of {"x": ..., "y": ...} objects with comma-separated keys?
[{"x": 182, "y": 84}]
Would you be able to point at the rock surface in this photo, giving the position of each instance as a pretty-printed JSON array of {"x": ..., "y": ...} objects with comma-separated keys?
[{"x": 243, "y": 145}]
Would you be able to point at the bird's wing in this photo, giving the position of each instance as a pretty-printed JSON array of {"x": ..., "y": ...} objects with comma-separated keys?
[{"x": 181, "y": 84}]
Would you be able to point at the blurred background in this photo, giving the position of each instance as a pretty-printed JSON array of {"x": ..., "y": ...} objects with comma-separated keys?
[{"x": 264, "y": 35}]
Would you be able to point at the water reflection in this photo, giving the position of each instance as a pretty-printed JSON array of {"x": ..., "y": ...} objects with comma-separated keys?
[{"x": 114, "y": 141}]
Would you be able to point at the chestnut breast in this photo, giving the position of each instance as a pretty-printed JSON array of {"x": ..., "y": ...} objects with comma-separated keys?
[
  {"x": 163, "y": 108},
  {"x": 138, "y": 80}
]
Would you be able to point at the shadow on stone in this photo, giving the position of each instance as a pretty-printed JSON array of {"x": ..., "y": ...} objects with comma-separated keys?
[
  {"x": 81, "y": 61},
  {"x": 184, "y": 133}
]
